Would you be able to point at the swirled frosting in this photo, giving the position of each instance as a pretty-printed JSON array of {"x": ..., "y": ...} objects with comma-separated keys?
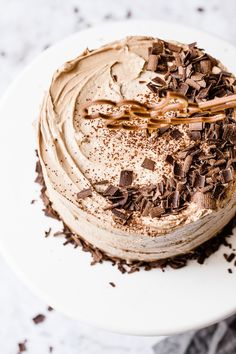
[{"x": 77, "y": 154}]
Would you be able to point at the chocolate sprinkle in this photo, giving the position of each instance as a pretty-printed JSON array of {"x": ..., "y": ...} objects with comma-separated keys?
[
  {"x": 126, "y": 178},
  {"x": 148, "y": 164}
]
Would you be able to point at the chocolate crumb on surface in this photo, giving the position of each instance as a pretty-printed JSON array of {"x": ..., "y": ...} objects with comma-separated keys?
[
  {"x": 230, "y": 271},
  {"x": 39, "y": 319},
  {"x": 50, "y": 349},
  {"x": 112, "y": 284},
  {"x": 50, "y": 308},
  {"x": 148, "y": 164}
]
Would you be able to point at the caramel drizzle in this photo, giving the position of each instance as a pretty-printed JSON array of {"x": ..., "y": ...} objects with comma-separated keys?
[{"x": 186, "y": 112}]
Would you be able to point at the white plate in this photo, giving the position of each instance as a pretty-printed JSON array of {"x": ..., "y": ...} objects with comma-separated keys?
[{"x": 145, "y": 303}]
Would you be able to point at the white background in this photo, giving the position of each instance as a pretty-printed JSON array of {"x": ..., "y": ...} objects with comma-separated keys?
[{"x": 26, "y": 28}]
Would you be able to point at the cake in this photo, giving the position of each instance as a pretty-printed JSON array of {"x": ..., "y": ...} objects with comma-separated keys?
[{"x": 136, "y": 142}]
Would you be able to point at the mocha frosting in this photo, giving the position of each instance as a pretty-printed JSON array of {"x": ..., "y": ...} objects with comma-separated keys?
[{"x": 77, "y": 154}]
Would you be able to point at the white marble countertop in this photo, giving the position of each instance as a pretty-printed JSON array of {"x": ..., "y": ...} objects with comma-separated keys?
[{"x": 27, "y": 27}]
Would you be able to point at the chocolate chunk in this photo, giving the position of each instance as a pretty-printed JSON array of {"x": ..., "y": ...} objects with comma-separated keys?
[
  {"x": 176, "y": 134},
  {"x": 148, "y": 164},
  {"x": 84, "y": 193},
  {"x": 204, "y": 200},
  {"x": 110, "y": 191},
  {"x": 227, "y": 175},
  {"x": 157, "y": 211},
  {"x": 152, "y": 62},
  {"x": 170, "y": 159},
  {"x": 39, "y": 319},
  {"x": 187, "y": 163},
  {"x": 126, "y": 178}
]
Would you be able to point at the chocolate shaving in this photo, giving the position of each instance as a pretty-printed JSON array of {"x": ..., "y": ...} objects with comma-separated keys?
[
  {"x": 85, "y": 193},
  {"x": 205, "y": 66},
  {"x": 178, "y": 170},
  {"x": 204, "y": 200},
  {"x": 187, "y": 163},
  {"x": 159, "y": 81},
  {"x": 119, "y": 214},
  {"x": 176, "y": 134},
  {"x": 126, "y": 178},
  {"x": 110, "y": 191},
  {"x": 148, "y": 164},
  {"x": 196, "y": 126},
  {"x": 227, "y": 175},
  {"x": 157, "y": 211},
  {"x": 170, "y": 159},
  {"x": 157, "y": 47},
  {"x": 152, "y": 62},
  {"x": 195, "y": 135}
]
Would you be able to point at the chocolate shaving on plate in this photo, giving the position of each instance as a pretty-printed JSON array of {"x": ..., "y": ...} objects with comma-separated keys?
[
  {"x": 39, "y": 319},
  {"x": 22, "y": 347}
]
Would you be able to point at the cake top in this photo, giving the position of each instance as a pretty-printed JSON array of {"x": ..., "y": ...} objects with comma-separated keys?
[{"x": 139, "y": 179}]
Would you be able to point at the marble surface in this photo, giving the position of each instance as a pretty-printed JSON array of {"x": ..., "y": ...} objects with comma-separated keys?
[{"x": 27, "y": 27}]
